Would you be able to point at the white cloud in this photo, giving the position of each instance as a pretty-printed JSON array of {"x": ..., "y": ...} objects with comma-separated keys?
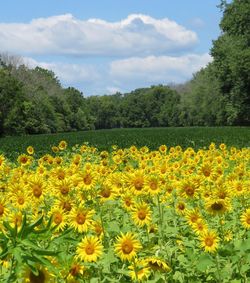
[
  {"x": 125, "y": 74},
  {"x": 68, "y": 73},
  {"x": 137, "y": 35},
  {"x": 157, "y": 69}
]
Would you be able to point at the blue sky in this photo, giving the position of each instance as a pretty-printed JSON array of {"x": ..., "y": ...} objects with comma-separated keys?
[{"x": 106, "y": 46}]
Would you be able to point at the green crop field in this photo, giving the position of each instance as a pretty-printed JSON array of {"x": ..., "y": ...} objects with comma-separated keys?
[{"x": 195, "y": 137}]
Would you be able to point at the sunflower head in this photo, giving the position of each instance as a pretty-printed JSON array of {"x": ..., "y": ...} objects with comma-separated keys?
[
  {"x": 157, "y": 264},
  {"x": 89, "y": 249},
  {"x": 127, "y": 246},
  {"x": 209, "y": 241}
]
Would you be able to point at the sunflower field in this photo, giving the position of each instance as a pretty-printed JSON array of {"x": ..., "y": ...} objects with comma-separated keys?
[{"x": 126, "y": 215}]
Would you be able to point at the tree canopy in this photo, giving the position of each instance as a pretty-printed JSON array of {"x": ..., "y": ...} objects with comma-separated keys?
[{"x": 33, "y": 101}]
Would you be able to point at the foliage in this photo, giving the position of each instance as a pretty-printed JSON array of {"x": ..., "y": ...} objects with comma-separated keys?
[
  {"x": 195, "y": 137},
  {"x": 33, "y": 101},
  {"x": 231, "y": 53}
]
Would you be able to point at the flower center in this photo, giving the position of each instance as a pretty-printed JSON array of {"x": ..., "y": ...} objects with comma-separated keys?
[
  {"x": 209, "y": 242},
  {"x": 153, "y": 185},
  {"x": 181, "y": 206},
  {"x": 20, "y": 200},
  {"x": 128, "y": 202},
  {"x": 89, "y": 249},
  {"x": 57, "y": 218},
  {"x": 87, "y": 179},
  {"x": 80, "y": 218},
  {"x": 61, "y": 175},
  {"x": 138, "y": 183},
  {"x": 194, "y": 218},
  {"x": 141, "y": 214},
  {"x": 40, "y": 278},
  {"x": 1, "y": 209},
  {"x": 189, "y": 191},
  {"x": 74, "y": 269},
  {"x": 106, "y": 193},
  {"x": 217, "y": 206},
  {"x": 127, "y": 247},
  {"x": 64, "y": 190},
  {"x": 37, "y": 191},
  {"x": 66, "y": 206},
  {"x": 24, "y": 160}
]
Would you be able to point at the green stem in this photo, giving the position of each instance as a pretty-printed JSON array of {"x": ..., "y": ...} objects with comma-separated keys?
[
  {"x": 11, "y": 270},
  {"x": 218, "y": 267},
  {"x": 135, "y": 270},
  {"x": 160, "y": 221}
]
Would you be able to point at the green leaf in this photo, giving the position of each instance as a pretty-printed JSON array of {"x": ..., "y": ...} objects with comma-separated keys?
[
  {"x": 10, "y": 229},
  {"x": 17, "y": 252},
  {"x": 178, "y": 276},
  {"x": 204, "y": 261},
  {"x": 35, "y": 224},
  {"x": 245, "y": 245},
  {"x": 29, "y": 244},
  {"x": 46, "y": 252},
  {"x": 24, "y": 222},
  {"x": 113, "y": 227}
]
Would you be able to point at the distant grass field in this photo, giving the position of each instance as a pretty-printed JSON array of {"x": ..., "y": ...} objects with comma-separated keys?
[{"x": 195, "y": 137}]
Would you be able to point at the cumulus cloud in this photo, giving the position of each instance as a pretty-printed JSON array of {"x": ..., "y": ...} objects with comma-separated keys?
[
  {"x": 157, "y": 69},
  {"x": 125, "y": 74},
  {"x": 137, "y": 35},
  {"x": 68, "y": 73}
]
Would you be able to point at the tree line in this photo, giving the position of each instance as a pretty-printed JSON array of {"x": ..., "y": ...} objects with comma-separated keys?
[{"x": 33, "y": 101}]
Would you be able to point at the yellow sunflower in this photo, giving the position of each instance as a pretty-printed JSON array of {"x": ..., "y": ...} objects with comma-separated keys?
[
  {"x": 127, "y": 201},
  {"x": 15, "y": 219},
  {"x": 209, "y": 241},
  {"x": 245, "y": 219},
  {"x": 180, "y": 207},
  {"x": 42, "y": 276},
  {"x": 62, "y": 186},
  {"x": 141, "y": 214},
  {"x": 80, "y": 219},
  {"x": 127, "y": 246},
  {"x": 153, "y": 185},
  {"x": 199, "y": 226},
  {"x": 55, "y": 149},
  {"x": 136, "y": 182},
  {"x": 66, "y": 203},
  {"x": 89, "y": 249},
  {"x": 4, "y": 210},
  {"x": 59, "y": 218},
  {"x": 106, "y": 192},
  {"x": 24, "y": 160},
  {"x": 188, "y": 188},
  {"x": 30, "y": 150},
  {"x": 97, "y": 228},
  {"x": 192, "y": 216},
  {"x": 37, "y": 187},
  {"x": 2, "y": 160},
  {"x": 75, "y": 272},
  {"x": 163, "y": 148},
  {"x": 139, "y": 271},
  {"x": 62, "y": 145},
  {"x": 157, "y": 264},
  {"x": 87, "y": 179},
  {"x": 20, "y": 199},
  {"x": 218, "y": 206}
]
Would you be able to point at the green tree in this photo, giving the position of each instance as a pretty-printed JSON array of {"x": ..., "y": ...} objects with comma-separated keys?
[
  {"x": 231, "y": 53},
  {"x": 11, "y": 97}
]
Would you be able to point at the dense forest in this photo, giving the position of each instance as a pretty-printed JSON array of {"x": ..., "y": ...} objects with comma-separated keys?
[{"x": 33, "y": 101}]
